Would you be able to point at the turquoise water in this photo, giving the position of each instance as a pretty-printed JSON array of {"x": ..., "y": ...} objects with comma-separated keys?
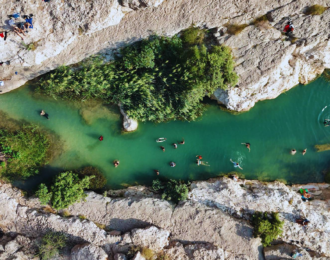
[{"x": 274, "y": 127}]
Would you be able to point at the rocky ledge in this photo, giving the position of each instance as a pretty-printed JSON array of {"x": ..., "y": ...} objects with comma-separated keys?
[
  {"x": 214, "y": 223},
  {"x": 66, "y": 32}
]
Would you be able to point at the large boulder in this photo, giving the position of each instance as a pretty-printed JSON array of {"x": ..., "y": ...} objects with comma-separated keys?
[
  {"x": 152, "y": 237},
  {"x": 88, "y": 251}
]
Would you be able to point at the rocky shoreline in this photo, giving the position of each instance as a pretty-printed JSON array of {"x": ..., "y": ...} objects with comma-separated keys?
[{"x": 214, "y": 223}]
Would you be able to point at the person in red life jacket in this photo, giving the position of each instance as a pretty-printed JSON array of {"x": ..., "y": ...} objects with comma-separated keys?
[
  {"x": 101, "y": 138},
  {"x": 288, "y": 28}
]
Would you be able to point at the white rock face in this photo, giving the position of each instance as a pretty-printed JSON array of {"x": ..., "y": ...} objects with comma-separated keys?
[
  {"x": 152, "y": 237},
  {"x": 88, "y": 251}
]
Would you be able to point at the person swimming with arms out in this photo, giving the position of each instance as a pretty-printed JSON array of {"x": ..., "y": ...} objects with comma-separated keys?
[
  {"x": 182, "y": 142},
  {"x": 161, "y": 139},
  {"x": 236, "y": 164},
  {"x": 247, "y": 146}
]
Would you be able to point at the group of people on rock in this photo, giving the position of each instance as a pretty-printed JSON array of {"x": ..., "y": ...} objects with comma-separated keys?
[{"x": 20, "y": 27}]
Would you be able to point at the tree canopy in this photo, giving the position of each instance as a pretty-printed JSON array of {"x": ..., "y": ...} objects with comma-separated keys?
[{"x": 156, "y": 79}]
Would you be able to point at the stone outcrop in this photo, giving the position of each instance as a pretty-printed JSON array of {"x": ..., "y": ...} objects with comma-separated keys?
[
  {"x": 267, "y": 63},
  {"x": 129, "y": 124},
  {"x": 214, "y": 223}
]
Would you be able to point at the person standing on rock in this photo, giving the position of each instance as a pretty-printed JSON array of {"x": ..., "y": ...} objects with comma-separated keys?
[
  {"x": 288, "y": 29},
  {"x": 236, "y": 164}
]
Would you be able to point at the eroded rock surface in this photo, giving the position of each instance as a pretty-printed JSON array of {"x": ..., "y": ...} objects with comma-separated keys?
[{"x": 214, "y": 223}]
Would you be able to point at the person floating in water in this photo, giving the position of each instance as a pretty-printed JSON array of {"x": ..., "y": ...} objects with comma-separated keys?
[
  {"x": 293, "y": 151},
  {"x": 236, "y": 164},
  {"x": 101, "y": 138},
  {"x": 43, "y": 113},
  {"x": 200, "y": 162},
  {"x": 172, "y": 164},
  {"x": 116, "y": 163},
  {"x": 247, "y": 146},
  {"x": 161, "y": 139},
  {"x": 304, "y": 151},
  {"x": 157, "y": 172},
  {"x": 175, "y": 146},
  {"x": 326, "y": 122},
  {"x": 163, "y": 148},
  {"x": 182, "y": 142},
  {"x": 199, "y": 157}
]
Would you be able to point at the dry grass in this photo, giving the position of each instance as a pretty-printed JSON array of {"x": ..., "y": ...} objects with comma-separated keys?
[
  {"x": 82, "y": 217},
  {"x": 66, "y": 213},
  {"x": 49, "y": 209},
  {"x": 293, "y": 39},
  {"x": 147, "y": 253},
  {"x": 260, "y": 19},
  {"x": 235, "y": 29},
  {"x": 315, "y": 10},
  {"x": 99, "y": 225},
  {"x": 322, "y": 147}
]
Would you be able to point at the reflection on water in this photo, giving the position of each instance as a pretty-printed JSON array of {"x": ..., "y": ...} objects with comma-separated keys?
[{"x": 292, "y": 121}]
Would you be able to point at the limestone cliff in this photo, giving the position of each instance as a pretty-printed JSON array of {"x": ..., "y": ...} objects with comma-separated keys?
[
  {"x": 66, "y": 32},
  {"x": 214, "y": 223}
]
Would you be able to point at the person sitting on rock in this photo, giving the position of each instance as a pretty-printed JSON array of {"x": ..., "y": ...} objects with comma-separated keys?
[
  {"x": 18, "y": 31},
  {"x": 288, "y": 29}
]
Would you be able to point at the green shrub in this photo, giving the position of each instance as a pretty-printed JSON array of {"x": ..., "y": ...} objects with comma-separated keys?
[
  {"x": 96, "y": 183},
  {"x": 193, "y": 36},
  {"x": 66, "y": 190},
  {"x": 235, "y": 29},
  {"x": 172, "y": 190},
  {"x": 267, "y": 228},
  {"x": 26, "y": 148},
  {"x": 157, "y": 79},
  {"x": 3, "y": 164},
  {"x": 43, "y": 194},
  {"x": 315, "y": 10},
  {"x": 259, "y": 20},
  {"x": 50, "y": 245}
]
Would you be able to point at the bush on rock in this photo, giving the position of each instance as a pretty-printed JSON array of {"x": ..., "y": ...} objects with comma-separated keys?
[
  {"x": 66, "y": 190},
  {"x": 172, "y": 190},
  {"x": 267, "y": 228},
  {"x": 50, "y": 245}
]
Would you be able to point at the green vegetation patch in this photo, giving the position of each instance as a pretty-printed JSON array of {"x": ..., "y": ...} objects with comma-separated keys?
[
  {"x": 23, "y": 150},
  {"x": 322, "y": 147},
  {"x": 157, "y": 79},
  {"x": 51, "y": 244},
  {"x": 260, "y": 20},
  {"x": 172, "y": 190},
  {"x": 235, "y": 29},
  {"x": 315, "y": 10},
  {"x": 98, "y": 181},
  {"x": 66, "y": 189},
  {"x": 267, "y": 227}
]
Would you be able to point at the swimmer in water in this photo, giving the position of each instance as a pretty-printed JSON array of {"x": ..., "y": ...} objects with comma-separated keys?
[
  {"x": 247, "y": 146},
  {"x": 116, "y": 163},
  {"x": 236, "y": 164},
  {"x": 182, "y": 142},
  {"x": 304, "y": 151},
  {"x": 42, "y": 113},
  {"x": 175, "y": 146},
  {"x": 163, "y": 148},
  {"x": 198, "y": 162},
  {"x": 172, "y": 164},
  {"x": 199, "y": 157},
  {"x": 326, "y": 122},
  {"x": 293, "y": 151},
  {"x": 157, "y": 172},
  {"x": 101, "y": 138},
  {"x": 160, "y": 140}
]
